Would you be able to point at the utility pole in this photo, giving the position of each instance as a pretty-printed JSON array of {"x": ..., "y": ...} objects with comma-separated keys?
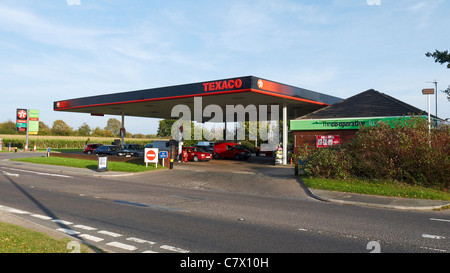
[{"x": 435, "y": 94}]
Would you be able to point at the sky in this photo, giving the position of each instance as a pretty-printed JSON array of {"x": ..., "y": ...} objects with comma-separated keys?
[{"x": 52, "y": 50}]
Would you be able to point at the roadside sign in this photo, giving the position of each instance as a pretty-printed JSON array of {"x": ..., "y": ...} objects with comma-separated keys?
[
  {"x": 151, "y": 156},
  {"x": 33, "y": 122},
  {"x": 163, "y": 154},
  {"x": 21, "y": 119},
  {"x": 102, "y": 163},
  {"x": 428, "y": 91}
]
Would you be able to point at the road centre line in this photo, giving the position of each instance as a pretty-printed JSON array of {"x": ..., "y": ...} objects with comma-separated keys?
[
  {"x": 440, "y": 220},
  {"x": 10, "y": 174},
  {"x": 38, "y": 173},
  {"x": 432, "y": 236}
]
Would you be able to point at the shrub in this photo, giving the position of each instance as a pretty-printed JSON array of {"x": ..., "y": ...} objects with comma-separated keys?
[{"x": 403, "y": 151}]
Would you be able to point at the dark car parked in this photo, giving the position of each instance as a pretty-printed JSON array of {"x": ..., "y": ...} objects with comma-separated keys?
[
  {"x": 112, "y": 150},
  {"x": 136, "y": 149}
]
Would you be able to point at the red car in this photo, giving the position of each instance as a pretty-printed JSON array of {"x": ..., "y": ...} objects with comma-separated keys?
[
  {"x": 231, "y": 150},
  {"x": 89, "y": 149},
  {"x": 196, "y": 154}
]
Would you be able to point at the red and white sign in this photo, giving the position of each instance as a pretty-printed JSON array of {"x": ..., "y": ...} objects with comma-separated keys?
[
  {"x": 151, "y": 155},
  {"x": 326, "y": 141}
]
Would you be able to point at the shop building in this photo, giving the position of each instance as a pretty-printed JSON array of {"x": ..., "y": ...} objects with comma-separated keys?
[{"x": 339, "y": 122}]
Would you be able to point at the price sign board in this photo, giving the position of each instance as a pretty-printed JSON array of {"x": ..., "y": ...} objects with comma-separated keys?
[
  {"x": 326, "y": 141},
  {"x": 33, "y": 121}
]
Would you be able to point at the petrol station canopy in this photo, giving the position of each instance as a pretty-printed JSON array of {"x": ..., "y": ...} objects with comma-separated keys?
[{"x": 158, "y": 102}]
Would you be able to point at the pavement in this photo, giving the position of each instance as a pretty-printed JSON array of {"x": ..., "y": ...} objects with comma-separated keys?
[{"x": 261, "y": 167}]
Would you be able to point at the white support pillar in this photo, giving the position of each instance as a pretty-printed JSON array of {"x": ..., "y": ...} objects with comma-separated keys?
[
  {"x": 285, "y": 134},
  {"x": 122, "y": 131}
]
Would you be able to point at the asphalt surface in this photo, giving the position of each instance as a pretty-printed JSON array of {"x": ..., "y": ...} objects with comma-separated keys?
[
  {"x": 258, "y": 178},
  {"x": 261, "y": 168}
]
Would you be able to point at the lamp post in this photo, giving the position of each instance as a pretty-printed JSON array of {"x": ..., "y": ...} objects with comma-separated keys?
[{"x": 435, "y": 96}]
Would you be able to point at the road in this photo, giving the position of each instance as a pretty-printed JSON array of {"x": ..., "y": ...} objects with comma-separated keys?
[{"x": 192, "y": 210}]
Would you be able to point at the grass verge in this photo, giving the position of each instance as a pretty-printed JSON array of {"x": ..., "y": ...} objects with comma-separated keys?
[
  {"x": 89, "y": 164},
  {"x": 16, "y": 239},
  {"x": 376, "y": 187}
]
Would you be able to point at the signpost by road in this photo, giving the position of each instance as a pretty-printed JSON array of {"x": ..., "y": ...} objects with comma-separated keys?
[
  {"x": 151, "y": 156},
  {"x": 163, "y": 154},
  {"x": 27, "y": 120}
]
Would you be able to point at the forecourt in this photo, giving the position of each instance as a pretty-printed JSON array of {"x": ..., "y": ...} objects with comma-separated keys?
[{"x": 159, "y": 102}]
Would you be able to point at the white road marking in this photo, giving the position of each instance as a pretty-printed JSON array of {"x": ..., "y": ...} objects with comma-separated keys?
[
  {"x": 62, "y": 222},
  {"x": 10, "y": 174},
  {"x": 38, "y": 173},
  {"x": 85, "y": 227},
  {"x": 141, "y": 241},
  {"x": 91, "y": 238},
  {"x": 172, "y": 248},
  {"x": 432, "y": 236},
  {"x": 121, "y": 245},
  {"x": 41, "y": 216},
  {"x": 13, "y": 210},
  {"x": 109, "y": 233},
  {"x": 434, "y": 249},
  {"x": 440, "y": 220},
  {"x": 68, "y": 231},
  {"x": 149, "y": 251}
]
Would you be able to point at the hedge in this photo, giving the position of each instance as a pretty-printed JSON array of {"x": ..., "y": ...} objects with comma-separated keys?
[{"x": 405, "y": 151}]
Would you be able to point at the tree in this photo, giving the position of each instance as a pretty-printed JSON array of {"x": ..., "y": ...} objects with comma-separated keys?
[
  {"x": 60, "y": 128},
  {"x": 113, "y": 125},
  {"x": 99, "y": 132},
  {"x": 84, "y": 130},
  {"x": 8, "y": 127},
  {"x": 441, "y": 57},
  {"x": 44, "y": 130},
  {"x": 165, "y": 127}
]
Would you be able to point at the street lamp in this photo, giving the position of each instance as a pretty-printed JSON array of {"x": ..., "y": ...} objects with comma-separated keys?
[{"x": 435, "y": 97}]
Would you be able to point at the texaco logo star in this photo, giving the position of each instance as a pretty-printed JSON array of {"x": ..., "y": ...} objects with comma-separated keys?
[
  {"x": 22, "y": 114},
  {"x": 260, "y": 84}
]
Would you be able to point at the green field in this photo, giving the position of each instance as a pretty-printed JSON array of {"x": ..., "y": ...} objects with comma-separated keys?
[{"x": 78, "y": 142}]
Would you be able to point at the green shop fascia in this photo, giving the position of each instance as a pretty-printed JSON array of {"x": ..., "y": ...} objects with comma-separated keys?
[{"x": 343, "y": 123}]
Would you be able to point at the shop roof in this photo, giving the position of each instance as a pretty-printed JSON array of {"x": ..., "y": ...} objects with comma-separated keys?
[{"x": 370, "y": 103}]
